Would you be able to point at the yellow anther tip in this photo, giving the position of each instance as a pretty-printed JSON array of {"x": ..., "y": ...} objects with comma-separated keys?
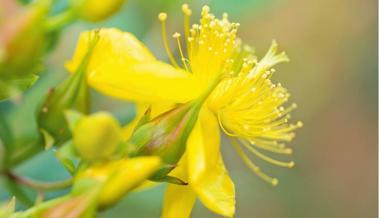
[
  {"x": 291, "y": 164},
  {"x": 289, "y": 151},
  {"x": 300, "y": 124},
  {"x": 206, "y": 8},
  {"x": 186, "y": 10},
  {"x": 176, "y": 35},
  {"x": 274, "y": 182},
  {"x": 162, "y": 16}
]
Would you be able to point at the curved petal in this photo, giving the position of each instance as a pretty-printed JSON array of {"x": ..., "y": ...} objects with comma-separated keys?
[
  {"x": 207, "y": 174},
  {"x": 122, "y": 67},
  {"x": 179, "y": 200},
  {"x": 127, "y": 174}
]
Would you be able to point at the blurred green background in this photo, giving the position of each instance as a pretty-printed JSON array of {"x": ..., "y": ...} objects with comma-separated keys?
[{"x": 332, "y": 76}]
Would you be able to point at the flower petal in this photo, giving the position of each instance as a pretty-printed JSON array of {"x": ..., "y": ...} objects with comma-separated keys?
[
  {"x": 179, "y": 200},
  {"x": 122, "y": 67},
  {"x": 121, "y": 176},
  {"x": 207, "y": 174}
]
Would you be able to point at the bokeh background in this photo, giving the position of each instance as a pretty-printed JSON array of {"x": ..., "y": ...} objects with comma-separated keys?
[{"x": 333, "y": 77}]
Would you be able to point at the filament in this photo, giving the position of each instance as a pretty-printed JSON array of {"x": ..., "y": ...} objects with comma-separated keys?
[
  {"x": 162, "y": 17},
  {"x": 267, "y": 158},
  {"x": 177, "y": 36},
  {"x": 252, "y": 166},
  {"x": 186, "y": 23}
]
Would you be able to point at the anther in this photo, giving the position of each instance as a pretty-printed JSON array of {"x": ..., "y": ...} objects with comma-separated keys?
[
  {"x": 274, "y": 182},
  {"x": 176, "y": 35},
  {"x": 205, "y": 9},
  {"x": 162, "y": 16},
  {"x": 186, "y": 10},
  {"x": 291, "y": 164}
]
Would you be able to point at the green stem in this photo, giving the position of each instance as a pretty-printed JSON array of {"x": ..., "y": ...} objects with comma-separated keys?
[
  {"x": 39, "y": 208},
  {"x": 58, "y": 21},
  {"x": 38, "y": 185}
]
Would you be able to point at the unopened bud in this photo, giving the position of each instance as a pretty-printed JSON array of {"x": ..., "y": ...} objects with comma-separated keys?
[
  {"x": 96, "y": 137},
  {"x": 96, "y": 10},
  {"x": 119, "y": 177},
  {"x": 165, "y": 136},
  {"x": 71, "y": 94}
]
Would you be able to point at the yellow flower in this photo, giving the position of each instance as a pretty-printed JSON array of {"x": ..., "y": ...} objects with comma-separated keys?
[{"x": 244, "y": 102}]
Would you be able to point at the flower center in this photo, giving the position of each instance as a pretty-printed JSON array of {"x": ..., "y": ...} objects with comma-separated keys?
[{"x": 210, "y": 45}]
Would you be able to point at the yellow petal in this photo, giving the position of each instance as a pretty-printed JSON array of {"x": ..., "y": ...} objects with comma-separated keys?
[
  {"x": 122, "y": 67},
  {"x": 121, "y": 176},
  {"x": 178, "y": 200},
  {"x": 207, "y": 174}
]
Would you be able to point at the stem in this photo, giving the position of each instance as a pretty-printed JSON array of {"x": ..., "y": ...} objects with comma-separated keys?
[
  {"x": 36, "y": 209},
  {"x": 60, "y": 20},
  {"x": 38, "y": 185}
]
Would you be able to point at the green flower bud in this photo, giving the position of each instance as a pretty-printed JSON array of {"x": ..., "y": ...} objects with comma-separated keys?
[
  {"x": 96, "y": 137},
  {"x": 96, "y": 10},
  {"x": 165, "y": 136},
  {"x": 71, "y": 94}
]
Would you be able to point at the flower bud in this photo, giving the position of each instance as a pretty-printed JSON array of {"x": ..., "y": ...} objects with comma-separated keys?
[
  {"x": 96, "y": 137},
  {"x": 96, "y": 10},
  {"x": 165, "y": 136},
  {"x": 119, "y": 177},
  {"x": 71, "y": 94}
]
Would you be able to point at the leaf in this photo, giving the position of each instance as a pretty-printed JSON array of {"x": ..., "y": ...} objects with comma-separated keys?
[
  {"x": 13, "y": 87},
  {"x": 66, "y": 155},
  {"x": 19, "y": 193},
  {"x": 47, "y": 138}
]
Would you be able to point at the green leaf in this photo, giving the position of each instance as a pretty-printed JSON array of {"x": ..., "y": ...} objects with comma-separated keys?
[
  {"x": 66, "y": 155},
  {"x": 19, "y": 193},
  {"x": 47, "y": 138},
  {"x": 13, "y": 87}
]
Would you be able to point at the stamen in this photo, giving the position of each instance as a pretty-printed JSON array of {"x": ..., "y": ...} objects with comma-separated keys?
[
  {"x": 162, "y": 17},
  {"x": 177, "y": 37},
  {"x": 277, "y": 150},
  {"x": 187, "y": 13},
  {"x": 266, "y": 158},
  {"x": 252, "y": 166},
  {"x": 222, "y": 126}
]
